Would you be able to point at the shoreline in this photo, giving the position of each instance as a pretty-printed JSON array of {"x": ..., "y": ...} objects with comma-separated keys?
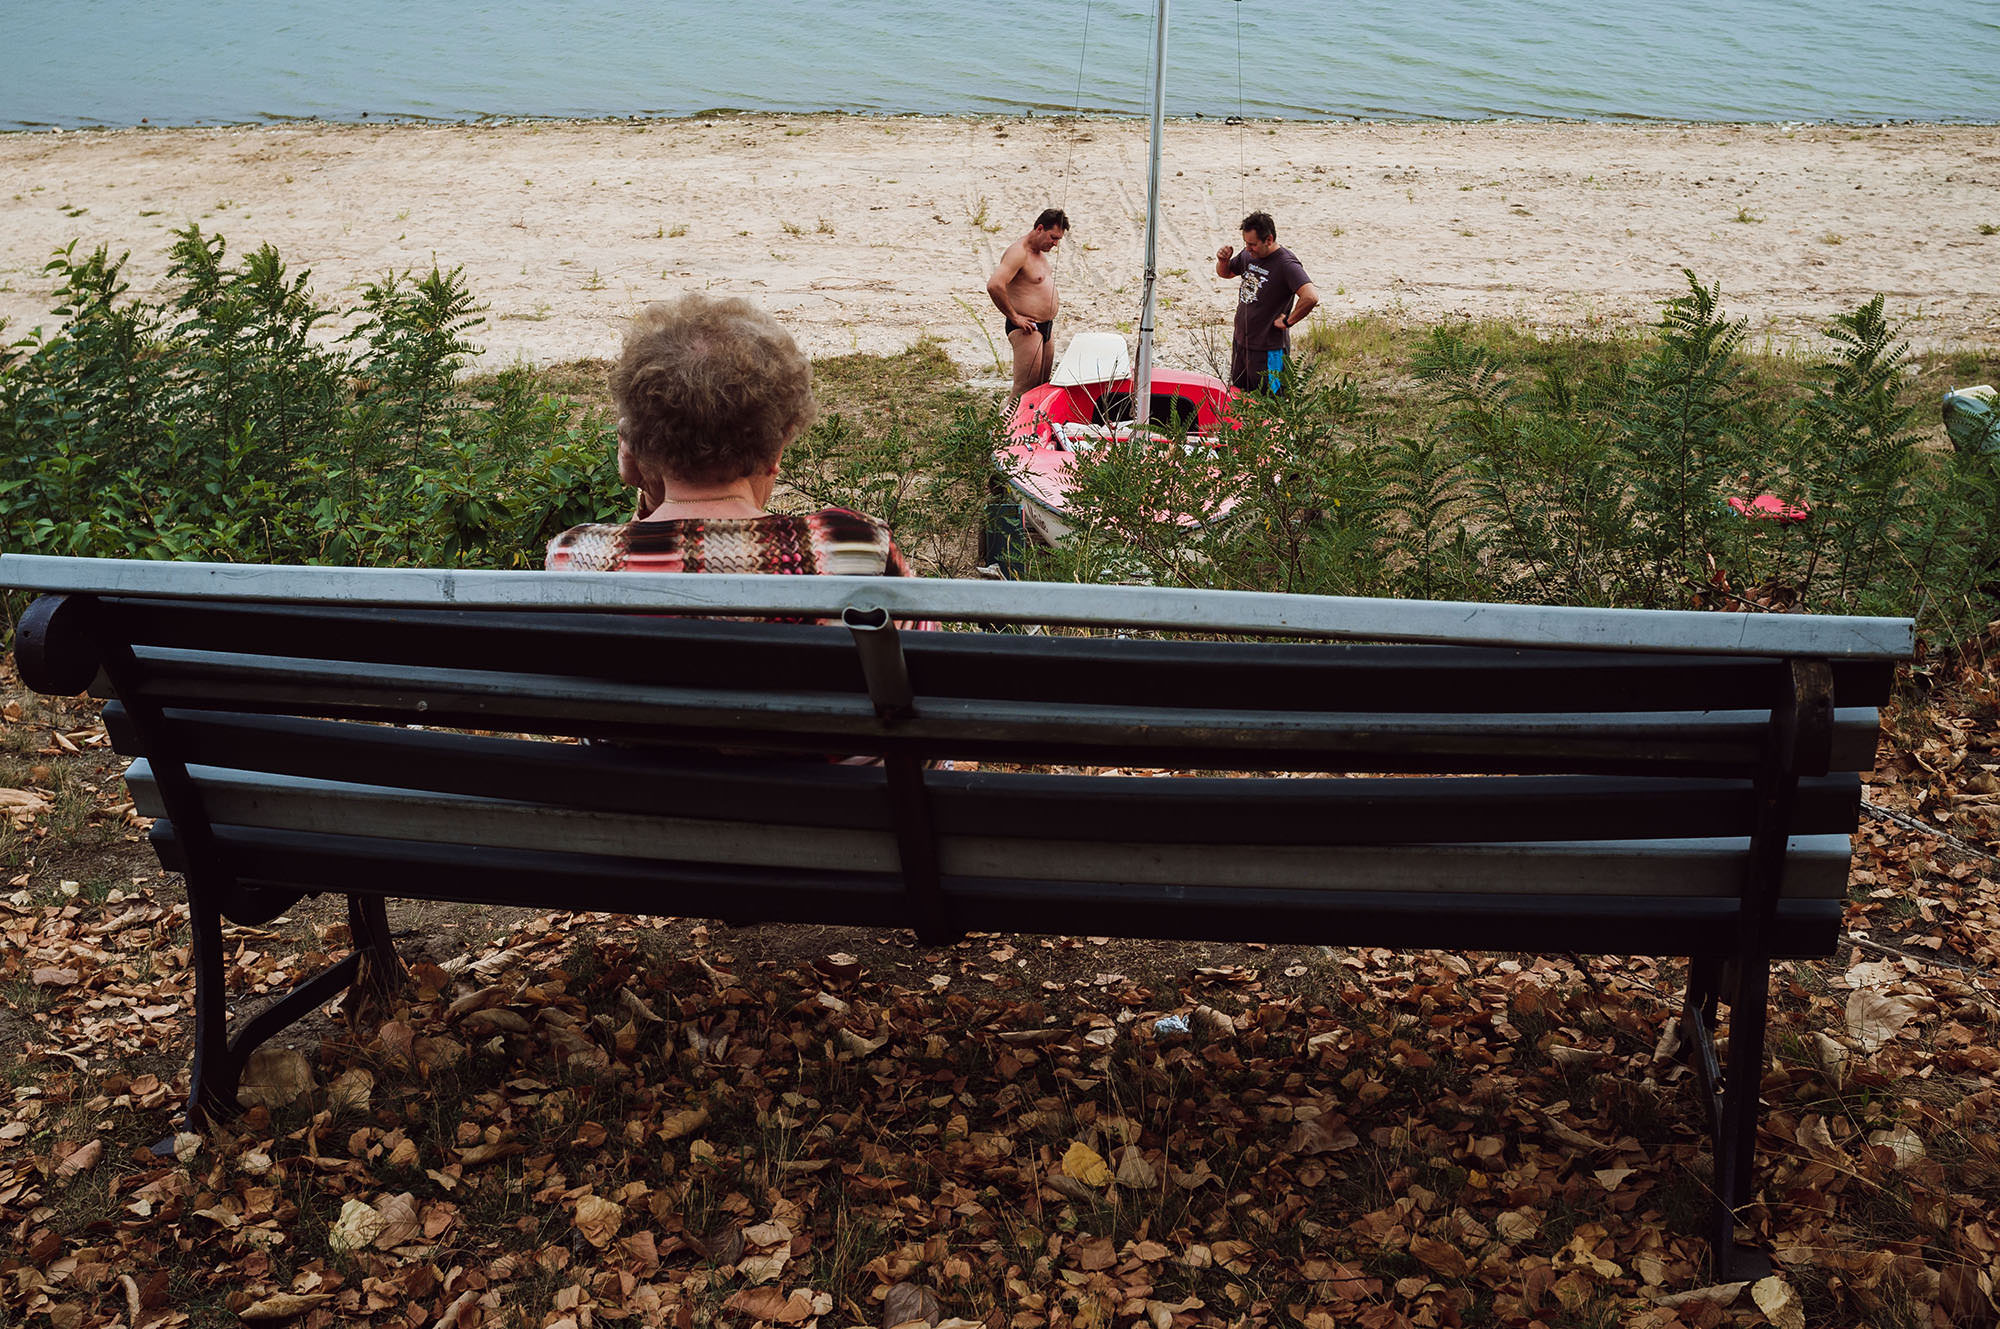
[
  {"x": 726, "y": 113},
  {"x": 865, "y": 232}
]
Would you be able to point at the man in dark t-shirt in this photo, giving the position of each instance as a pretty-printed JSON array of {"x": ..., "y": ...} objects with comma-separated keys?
[{"x": 1275, "y": 297}]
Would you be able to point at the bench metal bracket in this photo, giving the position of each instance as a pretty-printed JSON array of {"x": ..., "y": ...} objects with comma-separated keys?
[
  {"x": 880, "y": 646},
  {"x": 1799, "y": 744}
]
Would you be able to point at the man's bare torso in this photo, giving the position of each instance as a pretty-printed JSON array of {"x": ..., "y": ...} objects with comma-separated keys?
[{"x": 1032, "y": 292}]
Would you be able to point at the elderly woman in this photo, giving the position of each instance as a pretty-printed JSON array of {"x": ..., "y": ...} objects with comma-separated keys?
[{"x": 709, "y": 394}]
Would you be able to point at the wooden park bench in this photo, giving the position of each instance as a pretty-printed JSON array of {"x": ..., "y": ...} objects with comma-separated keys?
[{"x": 1533, "y": 779}]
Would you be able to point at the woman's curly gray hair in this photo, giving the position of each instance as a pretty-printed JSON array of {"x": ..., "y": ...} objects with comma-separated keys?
[{"x": 710, "y": 390}]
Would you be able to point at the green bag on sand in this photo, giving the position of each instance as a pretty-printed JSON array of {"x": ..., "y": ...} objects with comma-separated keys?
[{"x": 1972, "y": 418}]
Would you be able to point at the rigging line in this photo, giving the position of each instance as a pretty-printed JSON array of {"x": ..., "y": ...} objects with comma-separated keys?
[
  {"x": 1242, "y": 169},
  {"x": 1076, "y": 106}
]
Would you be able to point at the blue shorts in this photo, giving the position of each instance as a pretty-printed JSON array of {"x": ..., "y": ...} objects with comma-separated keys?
[{"x": 1257, "y": 371}]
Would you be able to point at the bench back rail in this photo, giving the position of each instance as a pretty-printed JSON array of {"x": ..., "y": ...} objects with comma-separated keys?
[{"x": 1622, "y": 791}]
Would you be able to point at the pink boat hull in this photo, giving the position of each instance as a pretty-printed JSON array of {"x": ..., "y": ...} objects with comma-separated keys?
[{"x": 1036, "y": 458}]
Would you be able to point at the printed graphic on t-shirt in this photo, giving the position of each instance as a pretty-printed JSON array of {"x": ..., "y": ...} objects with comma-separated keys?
[{"x": 1253, "y": 282}]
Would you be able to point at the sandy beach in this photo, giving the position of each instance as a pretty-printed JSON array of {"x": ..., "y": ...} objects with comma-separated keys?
[{"x": 865, "y": 234}]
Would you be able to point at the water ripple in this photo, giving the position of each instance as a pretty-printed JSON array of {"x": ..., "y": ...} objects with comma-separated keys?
[{"x": 114, "y": 62}]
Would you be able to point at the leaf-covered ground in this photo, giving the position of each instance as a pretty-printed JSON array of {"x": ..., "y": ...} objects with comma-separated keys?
[{"x": 585, "y": 1121}]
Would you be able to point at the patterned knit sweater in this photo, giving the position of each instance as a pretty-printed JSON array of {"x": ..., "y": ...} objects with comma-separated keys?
[{"x": 830, "y": 542}]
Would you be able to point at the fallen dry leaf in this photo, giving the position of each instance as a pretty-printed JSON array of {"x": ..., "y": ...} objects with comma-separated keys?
[
  {"x": 598, "y": 1219},
  {"x": 859, "y": 1046},
  {"x": 1875, "y": 1017},
  {"x": 1217, "y": 1021},
  {"x": 1580, "y": 1251},
  {"x": 1321, "y": 1135},
  {"x": 495, "y": 1020},
  {"x": 1965, "y": 1300},
  {"x": 1232, "y": 1255},
  {"x": 769, "y": 1303},
  {"x": 274, "y": 1078},
  {"x": 349, "y": 1092},
  {"x": 474, "y": 1155},
  {"x": 399, "y": 1221},
  {"x": 355, "y": 1229},
  {"x": 767, "y": 1235},
  {"x": 1781, "y": 1305},
  {"x": 926, "y": 1131},
  {"x": 1092, "y": 1254},
  {"x": 1135, "y": 1173},
  {"x": 685, "y": 1122},
  {"x": 282, "y": 1306},
  {"x": 80, "y": 1160},
  {"x": 1086, "y": 1165},
  {"x": 838, "y": 965},
  {"x": 494, "y": 994},
  {"x": 19, "y": 807},
  {"x": 1832, "y": 1058},
  {"x": 1902, "y": 1143},
  {"x": 1715, "y": 1294},
  {"x": 911, "y": 1303},
  {"x": 1441, "y": 1257}
]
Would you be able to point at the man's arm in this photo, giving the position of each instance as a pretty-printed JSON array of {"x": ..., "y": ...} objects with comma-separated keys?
[
  {"x": 1304, "y": 301},
  {"x": 1003, "y": 277},
  {"x": 1222, "y": 257}
]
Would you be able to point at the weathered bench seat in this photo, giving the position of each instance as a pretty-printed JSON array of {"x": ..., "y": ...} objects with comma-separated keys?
[{"x": 1394, "y": 774}]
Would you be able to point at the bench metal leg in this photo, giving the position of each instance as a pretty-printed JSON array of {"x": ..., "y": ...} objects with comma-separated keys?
[
  {"x": 1731, "y": 1095},
  {"x": 1704, "y": 986},
  {"x": 1736, "y": 1133},
  {"x": 211, "y": 1078},
  {"x": 382, "y": 970},
  {"x": 371, "y": 967}
]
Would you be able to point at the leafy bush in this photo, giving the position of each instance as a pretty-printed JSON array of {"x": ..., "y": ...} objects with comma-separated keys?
[
  {"x": 928, "y": 485},
  {"x": 217, "y": 425},
  {"x": 226, "y": 423},
  {"x": 1596, "y": 479}
]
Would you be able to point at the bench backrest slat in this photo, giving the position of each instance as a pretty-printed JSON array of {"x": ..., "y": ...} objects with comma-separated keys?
[
  {"x": 1156, "y": 608},
  {"x": 1680, "y": 867},
  {"x": 1187, "y": 810},
  {"x": 809, "y": 719},
  {"x": 1606, "y": 923},
  {"x": 1289, "y": 677}
]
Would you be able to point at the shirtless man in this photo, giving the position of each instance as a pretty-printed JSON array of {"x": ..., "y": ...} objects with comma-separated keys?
[{"x": 1025, "y": 295}]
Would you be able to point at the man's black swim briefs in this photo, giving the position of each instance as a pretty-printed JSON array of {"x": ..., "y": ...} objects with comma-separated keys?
[{"x": 1044, "y": 327}]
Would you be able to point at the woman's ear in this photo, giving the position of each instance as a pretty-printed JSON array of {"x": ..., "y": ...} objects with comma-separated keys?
[{"x": 628, "y": 465}]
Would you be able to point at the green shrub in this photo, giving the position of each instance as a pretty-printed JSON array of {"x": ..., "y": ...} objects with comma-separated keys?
[
  {"x": 1542, "y": 468},
  {"x": 225, "y": 422},
  {"x": 222, "y": 424},
  {"x": 1570, "y": 473},
  {"x": 928, "y": 485}
]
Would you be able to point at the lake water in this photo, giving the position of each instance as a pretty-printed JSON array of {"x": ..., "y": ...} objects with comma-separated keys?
[{"x": 117, "y": 62}]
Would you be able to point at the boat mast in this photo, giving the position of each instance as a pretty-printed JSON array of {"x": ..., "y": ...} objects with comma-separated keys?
[{"x": 1142, "y": 380}]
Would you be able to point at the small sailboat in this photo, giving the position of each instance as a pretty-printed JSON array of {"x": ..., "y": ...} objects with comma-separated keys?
[
  {"x": 1092, "y": 401},
  {"x": 1098, "y": 396}
]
